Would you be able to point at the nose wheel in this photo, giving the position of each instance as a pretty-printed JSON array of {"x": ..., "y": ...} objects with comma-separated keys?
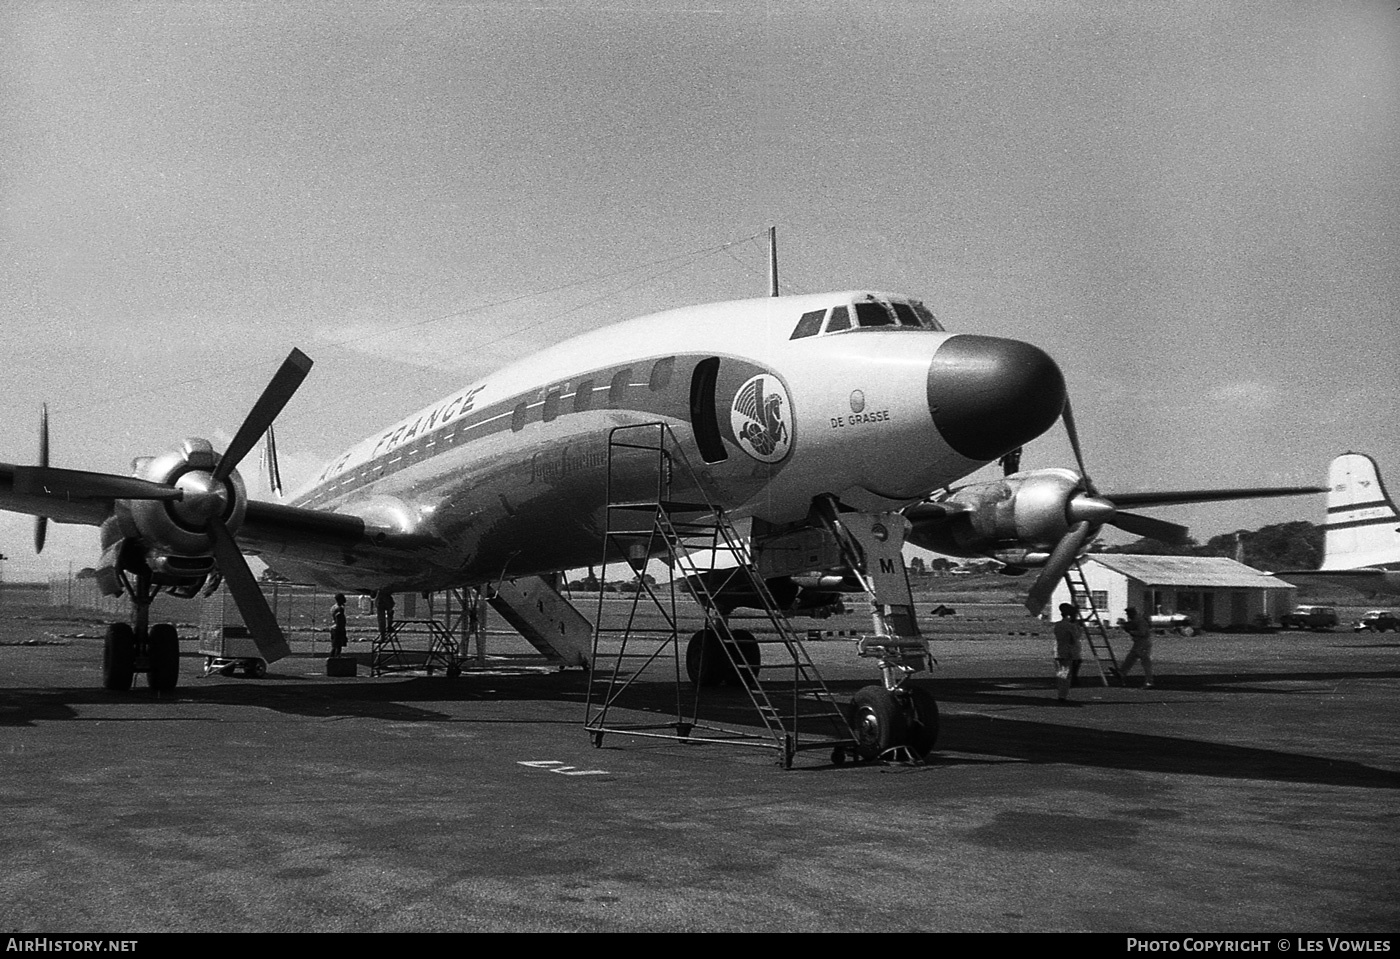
[
  {"x": 129, "y": 649},
  {"x": 887, "y": 722}
]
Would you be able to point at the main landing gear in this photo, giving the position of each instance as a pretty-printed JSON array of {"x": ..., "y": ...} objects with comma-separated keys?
[
  {"x": 140, "y": 648},
  {"x": 888, "y": 722}
]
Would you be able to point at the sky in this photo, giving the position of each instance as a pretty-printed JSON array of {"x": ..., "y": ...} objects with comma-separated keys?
[{"x": 1193, "y": 207}]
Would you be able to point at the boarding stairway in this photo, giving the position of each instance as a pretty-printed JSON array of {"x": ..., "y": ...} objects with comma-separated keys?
[
  {"x": 656, "y": 507},
  {"x": 537, "y": 611},
  {"x": 1094, "y": 629}
]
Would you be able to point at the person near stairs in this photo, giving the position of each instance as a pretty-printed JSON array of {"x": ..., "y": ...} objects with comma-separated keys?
[
  {"x": 1068, "y": 651},
  {"x": 1140, "y": 629}
]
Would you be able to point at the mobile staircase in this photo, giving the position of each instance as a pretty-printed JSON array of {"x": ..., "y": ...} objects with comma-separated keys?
[
  {"x": 1094, "y": 629},
  {"x": 656, "y": 508},
  {"x": 411, "y": 645}
]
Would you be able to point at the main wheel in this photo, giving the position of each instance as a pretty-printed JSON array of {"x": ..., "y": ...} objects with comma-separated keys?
[
  {"x": 164, "y": 644},
  {"x": 877, "y": 721},
  {"x": 921, "y": 718},
  {"x": 118, "y": 657},
  {"x": 705, "y": 662},
  {"x": 256, "y": 669}
]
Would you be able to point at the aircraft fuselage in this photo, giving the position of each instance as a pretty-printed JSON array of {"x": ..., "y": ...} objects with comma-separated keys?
[{"x": 509, "y": 476}]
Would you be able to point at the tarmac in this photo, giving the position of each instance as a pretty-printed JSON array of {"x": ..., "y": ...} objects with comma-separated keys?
[{"x": 1254, "y": 789}]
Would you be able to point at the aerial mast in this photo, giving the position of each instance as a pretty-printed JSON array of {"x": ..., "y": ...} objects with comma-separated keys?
[{"x": 772, "y": 261}]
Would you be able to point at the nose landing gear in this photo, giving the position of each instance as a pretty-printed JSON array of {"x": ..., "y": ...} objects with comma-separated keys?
[
  {"x": 899, "y": 723},
  {"x": 129, "y": 649}
]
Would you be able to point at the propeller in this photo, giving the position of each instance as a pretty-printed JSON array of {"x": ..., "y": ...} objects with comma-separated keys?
[
  {"x": 204, "y": 498},
  {"x": 41, "y": 523},
  {"x": 247, "y": 594},
  {"x": 275, "y": 396},
  {"x": 1089, "y": 511}
]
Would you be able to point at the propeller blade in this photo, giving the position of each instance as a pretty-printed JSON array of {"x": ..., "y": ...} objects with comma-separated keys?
[
  {"x": 1061, "y": 559},
  {"x": 1173, "y": 498},
  {"x": 279, "y": 391},
  {"x": 247, "y": 594},
  {"x": 1173, "y": 534},
  {"x": 1073, "y": 431},
  {"x": 80, "y": 484},
  {"x": 41, "y": 523}
]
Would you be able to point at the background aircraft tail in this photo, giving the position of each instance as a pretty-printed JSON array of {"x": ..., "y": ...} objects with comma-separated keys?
[{"x": 1363, "y": 525}]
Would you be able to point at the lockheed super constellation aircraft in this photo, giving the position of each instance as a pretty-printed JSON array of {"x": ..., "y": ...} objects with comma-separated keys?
[
  {"x": 1361, "y": 536},
  {"x": 801, "y": 412}
]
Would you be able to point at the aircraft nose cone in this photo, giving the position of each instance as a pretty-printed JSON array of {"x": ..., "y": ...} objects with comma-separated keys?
[{"x": 989, "y": 395}]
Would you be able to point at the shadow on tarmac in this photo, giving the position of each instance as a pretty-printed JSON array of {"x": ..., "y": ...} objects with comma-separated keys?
[{"x": 419, "y": 699}]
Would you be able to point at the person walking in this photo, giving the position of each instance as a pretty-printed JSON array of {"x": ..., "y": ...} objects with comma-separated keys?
[
  {"x": 1068, "y": 652},
  {"x": 1140, "y": 630}
]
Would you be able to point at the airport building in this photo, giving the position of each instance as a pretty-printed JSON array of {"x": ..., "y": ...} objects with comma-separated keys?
[{"x": 1216, "y": 593}]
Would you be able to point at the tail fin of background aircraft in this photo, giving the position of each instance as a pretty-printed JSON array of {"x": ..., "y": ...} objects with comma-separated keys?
[
  {"x": 271, "y": 469},
  {"x": 1363, "y": 525}
]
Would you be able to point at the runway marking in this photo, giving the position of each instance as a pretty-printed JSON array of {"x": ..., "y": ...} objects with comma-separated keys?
[{"x": 555, "y": 766}]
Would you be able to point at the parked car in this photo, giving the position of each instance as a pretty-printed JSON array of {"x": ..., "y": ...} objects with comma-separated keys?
[
  {"x": 1309, "y": 617},
  {"x": 1178, "y": 623},
  {"x": 1378, "y": 621}
]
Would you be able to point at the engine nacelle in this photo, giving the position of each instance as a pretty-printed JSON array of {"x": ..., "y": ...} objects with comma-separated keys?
[
  {"x": 1017, "y": 520},
  {"x": 175, "y": 531}
]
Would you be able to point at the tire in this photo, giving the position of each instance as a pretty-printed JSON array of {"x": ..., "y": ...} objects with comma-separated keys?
[
  {"x": 877, "y": 720},
  {"x": 164, "y": 643},
  {"x": 705, "y": 662},
  {"x": 1188, "y": 631},
  {"x": 921, "y": 718},
  {"x": 256, "y": 669},
  {"x": 118, "y": 657}
]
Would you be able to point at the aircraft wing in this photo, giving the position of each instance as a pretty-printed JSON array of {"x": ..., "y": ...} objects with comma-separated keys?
[
  {"x": 22, "y": 492},
  {"x": 307, "y": 532},
  {"x": 88, "y": 499},
  {"x": 1369, "y": 579}
]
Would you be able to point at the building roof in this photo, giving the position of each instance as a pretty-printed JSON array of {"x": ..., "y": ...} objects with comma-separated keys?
[{"x": 1188, "y": 571}]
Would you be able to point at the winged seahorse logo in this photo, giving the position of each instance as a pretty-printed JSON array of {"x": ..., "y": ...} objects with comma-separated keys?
[{"x": 760, "y": 418}]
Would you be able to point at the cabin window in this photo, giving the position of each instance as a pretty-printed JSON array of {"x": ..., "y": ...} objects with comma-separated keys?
[
  {"x": 661, "y": 374},
  {"x": 517, "y": 419},
  {"x": 617, "y": 392},
  {"x": 703, "y": 417},
  {"x": 840, "y": 319},
  {"x": 583, "y": 396},
  {"x": 872, "y": 314},
  {"x": 808, "y": 325},
  {"x": 551, "y": 404}
]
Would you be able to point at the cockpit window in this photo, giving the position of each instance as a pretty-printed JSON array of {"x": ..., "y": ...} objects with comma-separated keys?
[
  {"x": 930, "y": 321},
  {"x": 905, "y": 314},
  {"x": 840, "y": 319},
  {"x": 873, "y": 314},
  {"x": 869, "y": 313},
  {"x": 808, "y": 325}
]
